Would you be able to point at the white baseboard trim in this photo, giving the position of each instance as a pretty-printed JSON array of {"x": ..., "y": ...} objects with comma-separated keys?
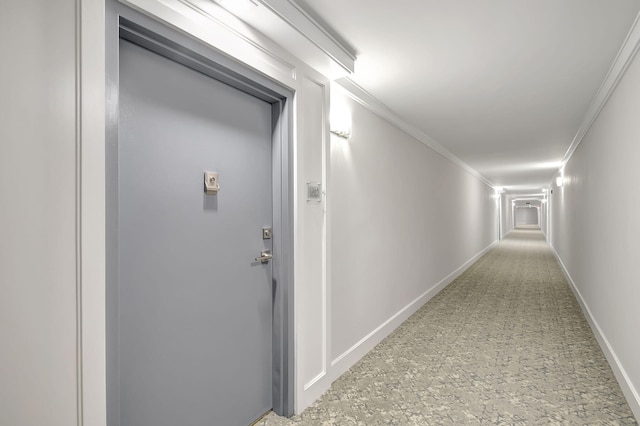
[
  {"x": 629, "y": 391},
  {"x": 506, "y": 233},
  {"x": 352, "y": 355}
]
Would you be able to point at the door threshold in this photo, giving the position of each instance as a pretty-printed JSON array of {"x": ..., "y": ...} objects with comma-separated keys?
[{"x": 261, "y": 418}]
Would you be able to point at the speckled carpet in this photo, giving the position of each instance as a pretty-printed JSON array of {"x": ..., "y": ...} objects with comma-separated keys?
[{"x": 505, "y": 343}]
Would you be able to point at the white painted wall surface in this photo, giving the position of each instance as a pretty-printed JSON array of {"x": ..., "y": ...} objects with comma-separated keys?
[
  {"x": 52, "y": 369},
  {"x": 403, "y": 222},
  {"x": 38, "y": 359},
  {"x": 507, "y": 215},
  {"x": 527, "y": 216},
  {"x": 311, "y": 317},
  {"x": 542, "y": 212},
  {"x": 596, "y": 231}
]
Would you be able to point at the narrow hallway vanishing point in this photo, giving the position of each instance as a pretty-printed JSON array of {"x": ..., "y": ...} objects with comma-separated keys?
[{"x": 505, "y": 343}]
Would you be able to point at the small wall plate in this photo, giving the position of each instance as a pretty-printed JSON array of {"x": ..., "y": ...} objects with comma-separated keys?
[{"x": 314, "y": 192}]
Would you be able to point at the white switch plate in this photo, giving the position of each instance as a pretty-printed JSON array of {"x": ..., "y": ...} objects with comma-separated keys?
[{"x": 314, "y": 192}]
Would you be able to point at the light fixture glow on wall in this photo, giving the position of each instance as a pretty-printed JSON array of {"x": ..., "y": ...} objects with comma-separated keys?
[
  {"x": 340, "y": 120},
  {"x": 560, "y": 178}
]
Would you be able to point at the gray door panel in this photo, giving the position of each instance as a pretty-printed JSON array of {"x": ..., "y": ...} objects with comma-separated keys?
[{"x": 195, "y": 309}]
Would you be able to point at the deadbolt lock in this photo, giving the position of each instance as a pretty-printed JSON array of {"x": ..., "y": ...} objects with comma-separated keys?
[{"x": 266, "y": 233}]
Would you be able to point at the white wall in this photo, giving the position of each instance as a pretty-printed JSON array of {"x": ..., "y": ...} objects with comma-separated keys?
[
  {"x": 51, "y": 120},
  {"x": 596, "y": 229},
  {"x": 507, "y": 215},
  {"x": 527, "y": 216},
  {"x": 403, "y": 222},
  {"x": 544, "y": 221},
  {"x": 38, "y": 214}
]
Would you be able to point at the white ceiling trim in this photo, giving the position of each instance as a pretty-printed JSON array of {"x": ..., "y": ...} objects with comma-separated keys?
[
  {"x": 215, "y": 26},
  {"x": 364, "y": 98},
  {"x": 620, "y": 65},
  {"x": 310, "y": 29}
]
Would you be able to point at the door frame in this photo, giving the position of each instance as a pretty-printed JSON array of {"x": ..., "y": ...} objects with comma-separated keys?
[{"x": 125, "y": 22}]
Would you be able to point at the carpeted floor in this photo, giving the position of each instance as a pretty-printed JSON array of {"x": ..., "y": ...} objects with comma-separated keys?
[{"x": 505, "y": 343}]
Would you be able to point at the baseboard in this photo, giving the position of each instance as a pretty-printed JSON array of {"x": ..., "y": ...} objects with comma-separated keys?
[
  {"x": 506, "y": 233},
  {"x": 629, "y": 391},
  {"x": 352, "y": 355}
]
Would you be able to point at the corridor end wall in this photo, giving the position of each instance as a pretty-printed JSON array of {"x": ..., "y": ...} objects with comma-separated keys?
[{"x": 527, "y": 216}]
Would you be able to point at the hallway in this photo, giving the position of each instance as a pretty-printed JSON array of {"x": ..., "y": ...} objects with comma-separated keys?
[{"x": 505, "y": 343}]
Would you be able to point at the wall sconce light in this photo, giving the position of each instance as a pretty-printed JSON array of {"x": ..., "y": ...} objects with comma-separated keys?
[
  {"x": 340, "y": 119},
  {"x": 342, "y": 131},
  {"x": 346, "y": 134},
  {"x": 559, "y": 181},
  {"x": 498, "y": 191}
]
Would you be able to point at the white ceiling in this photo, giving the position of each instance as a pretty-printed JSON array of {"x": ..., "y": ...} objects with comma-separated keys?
[{"x": 502, "y": 84}]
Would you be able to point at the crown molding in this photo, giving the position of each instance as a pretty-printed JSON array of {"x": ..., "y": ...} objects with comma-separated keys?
[
  {"x": 364, "y": 98},
  {"x": 210, "y": 23},
  {"x": 257, "y": 35},
  {"x": 621, "y": 63},
  {"x": 307, "y": 27}
]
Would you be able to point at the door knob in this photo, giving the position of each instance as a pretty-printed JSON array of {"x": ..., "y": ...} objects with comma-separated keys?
[{"x": 265, "y": 256}]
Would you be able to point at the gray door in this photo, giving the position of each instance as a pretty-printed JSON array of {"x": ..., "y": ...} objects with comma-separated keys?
[{"x": 195, "y": 308}]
